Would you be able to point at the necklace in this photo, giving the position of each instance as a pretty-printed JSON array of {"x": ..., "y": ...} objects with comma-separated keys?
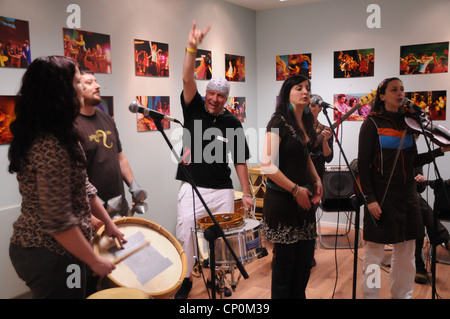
[{"x": 215, "y": 115}]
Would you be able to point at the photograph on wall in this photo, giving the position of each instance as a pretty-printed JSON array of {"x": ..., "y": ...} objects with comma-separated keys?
[
  {"x": 354, "y": 63},
  {"x": 434, "y": 102},
  {"x": 237, "y": 105},
  {"x": 424, "y": 58},
  {"x": 158, "y": 103},
  {"x": 89, "y": 49},
  {"x": 151, "y": 58},
  {"x": 203, "y": 65},
  {"x": 348, "y": 107},
  {"x": 7, "y": 115},
  {"x": 107, "y": 105},
  {"x": 292, "y": 64},
  {"x": 15, "y": 50},
  {"x": 234, "y": 68}
]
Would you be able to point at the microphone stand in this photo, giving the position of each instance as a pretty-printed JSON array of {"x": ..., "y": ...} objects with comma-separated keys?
[
  {"x": 438, "y": 186},
  {"x": 211, "y": 233},
  {"x": 357, "y": 201}
]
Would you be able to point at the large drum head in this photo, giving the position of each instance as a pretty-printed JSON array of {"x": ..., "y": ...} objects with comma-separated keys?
[{"x": 158, "y": 269}]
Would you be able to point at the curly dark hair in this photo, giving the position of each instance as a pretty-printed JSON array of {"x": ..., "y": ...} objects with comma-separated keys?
[
  {"x": 47, "y": 102},
  {"x": 283, "y": 108}
]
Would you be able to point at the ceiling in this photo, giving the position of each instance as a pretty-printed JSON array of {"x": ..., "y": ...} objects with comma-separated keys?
[{"x": 269, "y": 4}]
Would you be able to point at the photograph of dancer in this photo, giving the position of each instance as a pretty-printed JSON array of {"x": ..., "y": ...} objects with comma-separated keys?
[
  {"x": 15, "y": 51},
  {"x": 424, "y": 58},
  {"x": 151, "y": 58},
  {"x": 354, "y": 63},
  {"x": 88, "y": 49}
]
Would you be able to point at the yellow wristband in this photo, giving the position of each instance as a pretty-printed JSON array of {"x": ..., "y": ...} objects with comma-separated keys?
[{"x": 191, "y": 50}]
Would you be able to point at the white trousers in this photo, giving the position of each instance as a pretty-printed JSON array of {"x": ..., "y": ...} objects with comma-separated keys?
[
  {"x": 219, "y": 201},
  {"x": 403, "y": 269}
]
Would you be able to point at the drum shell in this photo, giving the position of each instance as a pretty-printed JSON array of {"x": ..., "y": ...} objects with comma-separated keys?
[
  {"x": 158, "y": 234},
  {"x": 245, "y": 242}
]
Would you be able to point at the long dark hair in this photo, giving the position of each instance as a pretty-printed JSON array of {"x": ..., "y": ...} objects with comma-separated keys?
[
  {"x": 378, "y": 105},
  {"x": 284, "y": 109},
  {"x": 47, "y": 102}
]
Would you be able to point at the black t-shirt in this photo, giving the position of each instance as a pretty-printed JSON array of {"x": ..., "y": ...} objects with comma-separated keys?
[
  {"x": 207, "y": 142},
  {"x": 101, "y": 144}
]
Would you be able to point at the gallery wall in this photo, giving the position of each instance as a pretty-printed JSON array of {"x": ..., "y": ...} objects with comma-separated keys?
[
  {"x": 318, "y": 28},
  {"x": 326, "y": 27},
  {"x": 232, "y": 32}
]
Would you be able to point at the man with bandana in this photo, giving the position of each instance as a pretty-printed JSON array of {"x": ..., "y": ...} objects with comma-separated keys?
[{"x": 211, "y": 133}]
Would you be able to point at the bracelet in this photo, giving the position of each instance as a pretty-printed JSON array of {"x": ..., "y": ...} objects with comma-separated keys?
[
  {"x": 295, "y": 188},
  {"x": 191, "y": 50},
  {"x": 247, "y": 195}
]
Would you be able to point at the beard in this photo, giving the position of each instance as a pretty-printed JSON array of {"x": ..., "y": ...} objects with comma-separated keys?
[{"x": 93, "y": 101}]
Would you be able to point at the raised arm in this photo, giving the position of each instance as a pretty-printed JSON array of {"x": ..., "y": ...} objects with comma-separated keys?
[{"x": 195, "y": 38}]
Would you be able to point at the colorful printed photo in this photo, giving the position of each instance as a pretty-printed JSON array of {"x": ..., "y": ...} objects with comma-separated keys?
[
  {"x": 348, "y": 107},
  {"x": 234, "y": 68},
  {"x": 434, "y": 102},
  {"x": 15, "y": 50},
  {"x": 203, "y": 65},
  {"x": 7, "y": 115},
  {"x": 424, "y": 58},
  {"x": 89, "y": 49},
  {"x": 354, "y": 63},
  {"x": 237, "y": 105},
  {"x": 293, "y": 64},
  {"x": 151, "y": 58},
  {"x": 157, "y": 103}
]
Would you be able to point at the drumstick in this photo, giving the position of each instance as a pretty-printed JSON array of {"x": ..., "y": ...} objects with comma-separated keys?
[
  {"x": 118, "y": 260},
  {"x": 118, "y": 245}
]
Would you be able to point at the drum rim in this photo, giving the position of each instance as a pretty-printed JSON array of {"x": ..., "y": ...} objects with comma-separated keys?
[{"x": 165, "y": 233}]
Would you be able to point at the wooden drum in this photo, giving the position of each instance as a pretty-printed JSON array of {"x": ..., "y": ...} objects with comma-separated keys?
[{"x": 158, "y": 269}]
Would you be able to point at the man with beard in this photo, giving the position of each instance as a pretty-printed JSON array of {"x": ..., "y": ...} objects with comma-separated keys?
[{"x": 107, "y": 165}]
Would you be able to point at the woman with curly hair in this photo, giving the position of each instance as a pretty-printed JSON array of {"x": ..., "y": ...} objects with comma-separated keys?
[{"x": 54, "y": 229}]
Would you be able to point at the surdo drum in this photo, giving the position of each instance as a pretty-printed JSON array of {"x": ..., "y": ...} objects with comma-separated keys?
[{"x": 158, "y": 268}]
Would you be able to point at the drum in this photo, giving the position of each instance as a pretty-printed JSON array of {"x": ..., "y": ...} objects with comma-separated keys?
[
  {"x": 158, "y": 269},
  {"x": 120, "y": 293},
  {"x": 226, "y": 221},
  {"x": 244, "y": 240}
]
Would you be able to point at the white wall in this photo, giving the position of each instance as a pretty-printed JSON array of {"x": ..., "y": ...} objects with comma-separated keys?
[
  {"x": 322, "y": 28},
  {"x": 233, "y": 31}
]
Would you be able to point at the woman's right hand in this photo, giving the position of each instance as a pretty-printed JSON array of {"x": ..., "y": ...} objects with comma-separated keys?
[
  {"x": 375, "y": 210},
  {"x": 303, "y": 197},
  {"x": 102, "y": 266}
]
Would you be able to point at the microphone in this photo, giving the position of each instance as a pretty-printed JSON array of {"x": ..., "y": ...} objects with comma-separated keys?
[
  {"x": 316, "y": 99},
  {"x": 136, "y": 108},
  {"x": 413, "y": 106}
]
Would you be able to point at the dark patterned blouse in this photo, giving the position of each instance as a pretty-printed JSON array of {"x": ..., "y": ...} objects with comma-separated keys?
[{"x": 55, "y": 196}]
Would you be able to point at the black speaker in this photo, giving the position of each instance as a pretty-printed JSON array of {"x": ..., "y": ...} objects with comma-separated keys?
[
  {"x": 442, "y": 198},
  {"x": 338, "y": 187}
]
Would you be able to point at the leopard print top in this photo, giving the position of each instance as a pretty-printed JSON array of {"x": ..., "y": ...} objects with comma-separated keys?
[{"x": 55, "y": 196}]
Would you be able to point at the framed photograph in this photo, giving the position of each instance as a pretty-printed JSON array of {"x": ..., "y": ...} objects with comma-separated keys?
[
  {"x": 434, "y": 102},
  {"x": 424, "y": 58},
  {"x": 237, "y": 105},
  {"x": 151, "y": 58},
  {"x": 354, "y": 63},
  {"x": 157, "y": 103},
  {"x": 293, "y": 64},
  {"x": 234, "y": 68},
  {"x": 89, "y": 49},
  {"x": 347, "y": 106},
  {"x": 7, "y": 115},
  {"x": 203, "y": 65},
  {"x": 15, "y": 50}
]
